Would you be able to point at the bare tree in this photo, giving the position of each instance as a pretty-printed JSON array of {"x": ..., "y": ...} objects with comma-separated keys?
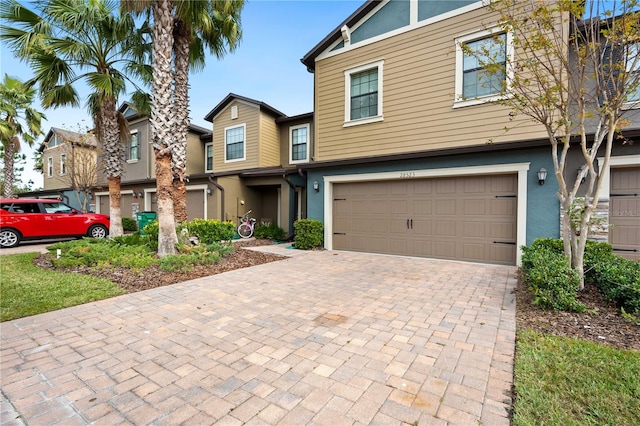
[
  {"x": 82, "y": 167},
  {"x": 573, "y": 67}
]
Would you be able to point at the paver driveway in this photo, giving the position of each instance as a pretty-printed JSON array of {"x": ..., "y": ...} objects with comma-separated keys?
[{"x": 325, "y": 338}]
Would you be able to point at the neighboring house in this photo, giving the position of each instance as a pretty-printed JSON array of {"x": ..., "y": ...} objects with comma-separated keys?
[
  {"x": 411, "y": 158},
  {"x": 138, "y": 183},
  {"x": 69, "y": 161},
  {"x": 254, "y": 158}
]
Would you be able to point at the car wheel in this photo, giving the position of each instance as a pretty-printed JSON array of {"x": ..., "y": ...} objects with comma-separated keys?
[
  {"x": 98, "y": 231},
  {"x": 9, "y": 238}
]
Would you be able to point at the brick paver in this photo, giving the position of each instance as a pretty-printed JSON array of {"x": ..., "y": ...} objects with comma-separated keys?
[{"x": 320, "y": 338}]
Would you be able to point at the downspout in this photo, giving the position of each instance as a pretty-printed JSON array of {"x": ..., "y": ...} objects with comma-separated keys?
[{"x": 214, "y": 183}]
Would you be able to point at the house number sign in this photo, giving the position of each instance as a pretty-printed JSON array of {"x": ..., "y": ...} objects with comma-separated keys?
[{"x": 407, "y": 175}]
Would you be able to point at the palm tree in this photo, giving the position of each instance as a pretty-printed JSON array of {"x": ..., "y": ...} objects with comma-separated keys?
[
  {"x": 162, "y": 120},
  {"x": 178, "y": 19},
  {"x": 17, "y": 120},
  {"x": 198, "y": 25},
  {"x": 69, "y": 41}
]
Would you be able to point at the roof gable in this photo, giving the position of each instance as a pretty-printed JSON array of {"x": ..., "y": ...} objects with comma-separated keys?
[
  {"x": 379, "y": 19},
  {"x": 232, "y": 96}
]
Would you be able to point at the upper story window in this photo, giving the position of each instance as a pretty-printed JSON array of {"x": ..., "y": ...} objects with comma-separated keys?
[
  {"x": 234, "y": 147},
  {"x": 481, "y": 67},
  {"x": 63, "y": 164},
  {"x": 633, "y": 78},
  {"x": 299, "y": 144},
  {"x": 208, "y": 157},
  {"x": 49, "y": 166},
  {"x": 363, "y": 97},
  {"x": 132, "y": 150}
]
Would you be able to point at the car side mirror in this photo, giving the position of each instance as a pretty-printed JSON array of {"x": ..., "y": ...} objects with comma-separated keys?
[{"x": 74, "y": 211}]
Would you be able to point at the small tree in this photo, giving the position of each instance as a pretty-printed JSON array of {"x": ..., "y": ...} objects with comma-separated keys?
[
  {"x": 82, "y": 165},
  {"x": 575, "y": 77}
]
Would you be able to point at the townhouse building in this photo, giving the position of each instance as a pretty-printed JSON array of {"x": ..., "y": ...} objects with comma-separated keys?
[
  {"x": 411, "y": 157},
  {"x": 69, "y": 160}
]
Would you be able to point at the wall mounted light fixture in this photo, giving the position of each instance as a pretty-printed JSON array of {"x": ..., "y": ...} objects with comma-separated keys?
[
  {"x": 316, "y": 186},
  {"x": 542, "y": 176},
  {"x": 208, "y": 191},
  {"x": 140, "y": 194},
  {"x": 582, "y": 174}
]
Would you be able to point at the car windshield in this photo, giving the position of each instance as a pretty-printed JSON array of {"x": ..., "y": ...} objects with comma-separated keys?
[{"x": 57, "y": 207}]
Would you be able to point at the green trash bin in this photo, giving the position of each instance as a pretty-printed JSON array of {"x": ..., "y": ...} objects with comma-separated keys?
[{"x": 145, "y": 218}]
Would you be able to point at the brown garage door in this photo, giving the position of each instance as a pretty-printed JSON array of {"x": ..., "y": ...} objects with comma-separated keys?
[
  {"x": 463, "y": 218},
  {"x": 624, "y": 212}
]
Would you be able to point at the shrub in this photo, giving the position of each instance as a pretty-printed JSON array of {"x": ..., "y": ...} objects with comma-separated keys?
[
  {"x": 190, "y": 256},
  {"x": 308, "y": 233},
  {"x": 594, "y": 254},
  {"x": 619, "y": 280},
  {"x": 129, "y": 224},
  {"x": 269, "y": 232},
  {"x": 151, "y": 231},
  {"x": 102, "y": 253},
  {"x": 550, "y": 278},
  {"x": 211, "y": 231}
]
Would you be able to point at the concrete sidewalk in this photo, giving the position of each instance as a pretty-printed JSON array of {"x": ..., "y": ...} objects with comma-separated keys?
[{"x": 325, "y": 338}]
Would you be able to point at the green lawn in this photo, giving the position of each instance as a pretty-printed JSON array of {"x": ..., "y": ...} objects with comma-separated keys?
[
  {"x": 28, "y": 290},
  {"x": 561, "y": 381}
]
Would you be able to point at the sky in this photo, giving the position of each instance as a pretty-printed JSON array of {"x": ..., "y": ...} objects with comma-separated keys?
[{"x": 266, "y": 66}]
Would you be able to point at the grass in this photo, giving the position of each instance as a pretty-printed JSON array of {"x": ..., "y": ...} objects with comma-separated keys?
[
  {"x": 28, "y": 290},
  {"x": 562, "y": 381}
]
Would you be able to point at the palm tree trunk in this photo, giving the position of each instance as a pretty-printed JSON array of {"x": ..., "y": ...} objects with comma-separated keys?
[
  {"x": 181, "y": 43},
  {"x": 114, "y": 156},
  {"x": 115, "y": 215},
  {"x": 9, "y": 155},
  {"x": 162, "y": 122}
]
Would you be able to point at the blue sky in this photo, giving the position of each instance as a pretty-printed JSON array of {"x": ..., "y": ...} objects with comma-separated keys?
[{"x": 266, "y": 66}]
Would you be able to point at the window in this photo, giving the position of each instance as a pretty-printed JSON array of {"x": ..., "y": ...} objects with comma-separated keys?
[
  {"x": 63, "y": 164},
  {"x": 49, "y": 166},
  {"x": 363, "y": 97},
  {"x": 57, "y": 207},
  {"x": 299, "y": 139},
  {"x": 234, "y": 143},
  {"x": 474, "y": 82},
  {"x": 208, "y": 157},
  {"x": 132, "y": 152},
  {"x": 634, "y": 74}
]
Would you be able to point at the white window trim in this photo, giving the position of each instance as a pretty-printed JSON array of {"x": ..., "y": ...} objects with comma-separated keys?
[
  {"x": 291, "y": 129},
  {"x": 210, "y": 144},
  {"x": 63, "y": 167},
  {"x": 459, "y": 41},
  {"x": 244, "y": 150},
  {"x": 49, "y": 166},
  {"x": 128, "y": 148},
  {"x": 348, "y": 122}
]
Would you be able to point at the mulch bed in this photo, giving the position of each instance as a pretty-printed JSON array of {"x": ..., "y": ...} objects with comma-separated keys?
[{"x": 601, "y": 322}]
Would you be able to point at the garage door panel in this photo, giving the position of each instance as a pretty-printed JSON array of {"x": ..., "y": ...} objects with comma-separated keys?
[
  {"x": 474, "y": 229},
  {"x": 504, "y": 206},
  {"x": 502, "y": 230},
  {"x": 624, "y": 212},
  {"x": 449, "y": 218},
  {"x": 473, "y": 252},
  {"x": 474, "y": 207},
  {"x": 445, "y": 249},
  {"x": 445, "y": 207}
]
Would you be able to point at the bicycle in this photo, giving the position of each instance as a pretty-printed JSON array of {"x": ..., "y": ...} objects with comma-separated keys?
[{"x": 245, "y": 229}]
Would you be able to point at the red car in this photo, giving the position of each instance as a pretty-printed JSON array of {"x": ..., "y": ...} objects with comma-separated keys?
[{"x": 34, "y": 219}]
